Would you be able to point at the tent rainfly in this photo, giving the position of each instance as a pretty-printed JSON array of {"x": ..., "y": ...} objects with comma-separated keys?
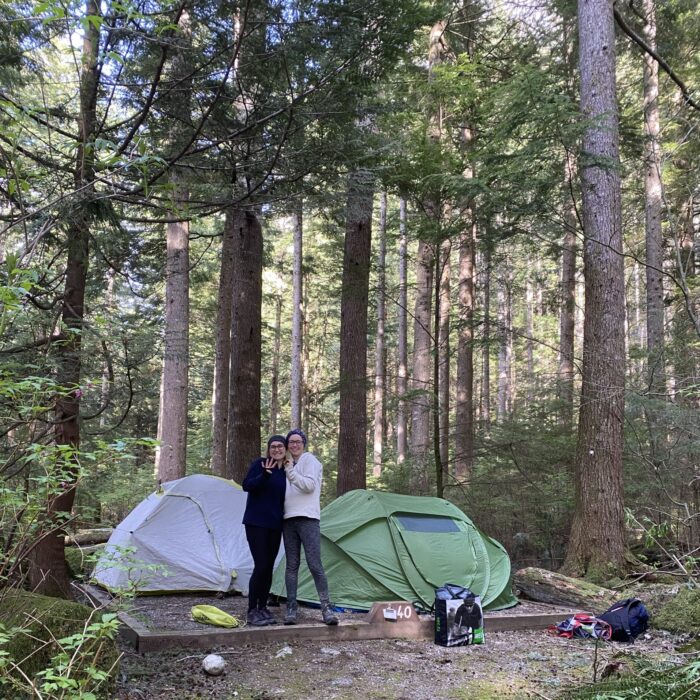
[
  {"x": 380, "y": 546},
  {"x": 188, "y": 536}
]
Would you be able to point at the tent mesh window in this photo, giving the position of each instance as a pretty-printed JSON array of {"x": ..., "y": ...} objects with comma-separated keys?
[{"x": 427, "y": 523}]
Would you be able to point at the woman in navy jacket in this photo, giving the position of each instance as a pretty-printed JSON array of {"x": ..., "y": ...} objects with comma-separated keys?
[{"x": 265, "y": 483}]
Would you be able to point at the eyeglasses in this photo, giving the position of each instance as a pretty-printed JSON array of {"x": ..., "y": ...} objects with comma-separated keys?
[
  {"x": 277, "y": 447},
  {"x": 295, "y": 442}
]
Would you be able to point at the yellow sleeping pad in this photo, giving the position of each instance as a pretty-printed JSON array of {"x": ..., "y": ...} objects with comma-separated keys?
[{"x": 211, "y": 615}]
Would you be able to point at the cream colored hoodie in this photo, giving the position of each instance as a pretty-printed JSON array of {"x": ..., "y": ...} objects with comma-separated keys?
[{"x": 303, "y": 494}]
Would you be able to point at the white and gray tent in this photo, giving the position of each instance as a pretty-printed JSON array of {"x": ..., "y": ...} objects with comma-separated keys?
[{"x": 187, "y": 536}]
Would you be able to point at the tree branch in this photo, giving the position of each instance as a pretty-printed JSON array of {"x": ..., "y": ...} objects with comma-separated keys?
[{"x": 662, "y": 63}]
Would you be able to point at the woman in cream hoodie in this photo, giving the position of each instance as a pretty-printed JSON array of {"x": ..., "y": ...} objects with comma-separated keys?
[{"x": 302, "y": 525}]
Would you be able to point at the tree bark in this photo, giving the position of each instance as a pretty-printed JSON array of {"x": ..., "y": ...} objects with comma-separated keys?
[
  {"x": 274, "y": 380},
  {"x": 222, "y": 351},
  {"x": 246, "y": 345},
  {"x": 529, "y": 339},
  {"x": 47, "y": 567},
  {"x": 107, "y": 388},
  {"x": 653, "y": 202},
  {"x": 402, "y": 341},
  {"x": 379, "y": 367},
  {"x": 567, "y": 320},
  {"x": 505, "y": 352},
  {"x": 171, "y": 452},
  {"x": 420, "y": 379},
  {"x": 596, "y": 543},
  {"x": 443, "y": 352},
  {"x": 486, "y": 343},
  {"x": 464, "y": 404},
  {"x": 297, "y": 378},
  {"x": 352, "y": 439}
]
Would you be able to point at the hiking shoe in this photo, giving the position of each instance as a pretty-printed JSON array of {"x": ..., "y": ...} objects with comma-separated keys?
[
  {"x": 256, "y": 618},
  {"x": 267, "y": 615},
  {"x": 290, "y": 617},
  {"x": 329, "y": 617}
]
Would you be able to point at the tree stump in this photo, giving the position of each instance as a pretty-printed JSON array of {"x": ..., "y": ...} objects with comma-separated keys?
[{"x": 549, "y": 587}]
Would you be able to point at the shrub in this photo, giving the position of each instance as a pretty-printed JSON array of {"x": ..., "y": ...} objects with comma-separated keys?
[{"x": 64, "y": 649}]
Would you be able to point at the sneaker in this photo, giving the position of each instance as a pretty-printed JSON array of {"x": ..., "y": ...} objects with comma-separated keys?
[
  {"x": 328, "y": 616},
  {"x": 256, "y": 618},
  {"x": 267, "y": 614},
  {"x": 290, "y": 617}
]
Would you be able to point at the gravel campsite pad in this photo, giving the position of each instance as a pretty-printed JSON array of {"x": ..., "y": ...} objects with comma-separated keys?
[
  {"x": 172, "y": 612},
  {"x": 508, "y": 665}
]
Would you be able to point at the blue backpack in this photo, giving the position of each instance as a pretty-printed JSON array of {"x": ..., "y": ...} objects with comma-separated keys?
[{"x": 628, "y": 618}]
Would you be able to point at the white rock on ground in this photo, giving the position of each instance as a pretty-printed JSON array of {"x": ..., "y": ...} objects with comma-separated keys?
[{"x": 214, "y": 664}]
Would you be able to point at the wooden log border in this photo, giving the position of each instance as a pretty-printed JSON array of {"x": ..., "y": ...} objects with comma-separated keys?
[{"x": 417, "y": 627}]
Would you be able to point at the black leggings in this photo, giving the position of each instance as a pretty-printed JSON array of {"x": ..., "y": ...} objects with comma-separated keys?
[{"x": 264, "y": 545}]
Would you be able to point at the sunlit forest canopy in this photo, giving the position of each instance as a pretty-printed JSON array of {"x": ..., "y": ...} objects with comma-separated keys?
[{"x": 454, "y": 242}]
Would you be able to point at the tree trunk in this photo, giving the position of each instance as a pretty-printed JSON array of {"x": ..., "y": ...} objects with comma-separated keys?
[
  {"x": 305, "y": 362},
  {"x": 442, "y": 353},
  {"x": 505, "y": 352},
  {"x": 222, "y": 351},
  {"x": 567, "y": 317},
  {"x": 529, "y": 339},
  {"x": 402, "y": 341},
  {"x": 297, "y": 378},
  {"x": 638, "y": 338},
  {"x": 47, "y": 570},
  {"x": 379, "y": 367},
  {"x": 464, "y": 404},
  {"x": 439, "y": 465},
  {"x": 685, "y": 324},
  {"x": 172, "y": 415},
  {"x": 653, "y": 200},
  {"x": 171, "y": 452},
  {"x": 352, "y": 439},
  {"x": 274, "y": 380},
  {"x": 246, "y": 349},
  {"x": 596, "y": 543},
  {"x": 420, "y": 379},
  {"x": 486, "y": 344},
  {"x": 107, "y": 388}
]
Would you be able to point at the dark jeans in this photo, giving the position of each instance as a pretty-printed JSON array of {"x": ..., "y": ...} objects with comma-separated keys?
[
  {"x": 264, "y": 545},
  {"x": 297, "y": 532}
]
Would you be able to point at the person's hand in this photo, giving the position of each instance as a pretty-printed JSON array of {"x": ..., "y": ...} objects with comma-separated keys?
[{"x": 269, "y": 465}]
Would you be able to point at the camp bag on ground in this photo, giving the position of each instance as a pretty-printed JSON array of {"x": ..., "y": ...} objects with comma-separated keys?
[
  {"x": 211, "y": 615},
  {"x": 628, "y": 619},
  {"x": 583, "y": 626},
  {"x": 459, "y": 619}
]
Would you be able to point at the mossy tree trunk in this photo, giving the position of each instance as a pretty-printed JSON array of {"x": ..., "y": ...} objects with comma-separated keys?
[{"x": 596, "y": 544}]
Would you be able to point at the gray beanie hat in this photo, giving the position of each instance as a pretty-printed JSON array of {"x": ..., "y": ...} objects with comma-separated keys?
[{"x": 299, "y": 432}]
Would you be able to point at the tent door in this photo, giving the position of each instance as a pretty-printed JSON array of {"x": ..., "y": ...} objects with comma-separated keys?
[{"x": 435, "y": 550}]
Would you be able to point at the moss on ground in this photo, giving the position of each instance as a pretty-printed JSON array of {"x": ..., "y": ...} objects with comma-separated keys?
[
  {"x": 38, "y": 621},
  {"x": 680, "y": 615},
  {"x": 81, "y": 560}
]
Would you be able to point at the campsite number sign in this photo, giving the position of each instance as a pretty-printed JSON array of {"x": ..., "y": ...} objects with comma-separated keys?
[{"x": 400, "y": 612}]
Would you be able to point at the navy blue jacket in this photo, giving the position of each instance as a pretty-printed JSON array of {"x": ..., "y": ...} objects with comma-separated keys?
[{"x": 265, "y": 505}]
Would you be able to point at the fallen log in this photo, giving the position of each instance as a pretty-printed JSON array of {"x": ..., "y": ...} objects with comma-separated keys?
[
  {"x": 97, "y": 535},
  {"x": 549, "y": 587}
]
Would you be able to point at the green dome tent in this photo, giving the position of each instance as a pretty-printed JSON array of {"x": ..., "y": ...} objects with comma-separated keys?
[{"x": 385, "y": 546}]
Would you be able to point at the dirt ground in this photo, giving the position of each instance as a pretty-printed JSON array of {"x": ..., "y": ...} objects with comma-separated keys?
[{"x": 531, "y": 664}]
